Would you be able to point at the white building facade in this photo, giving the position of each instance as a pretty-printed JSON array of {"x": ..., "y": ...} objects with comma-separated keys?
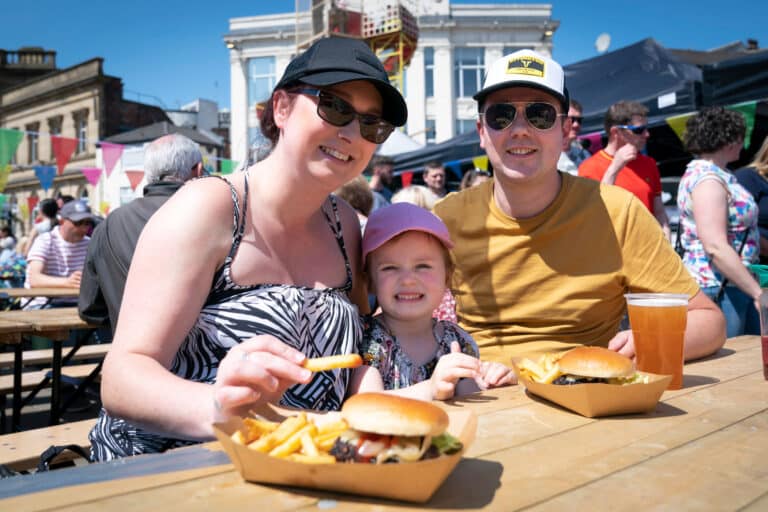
[{"x": 456, "y": 43}]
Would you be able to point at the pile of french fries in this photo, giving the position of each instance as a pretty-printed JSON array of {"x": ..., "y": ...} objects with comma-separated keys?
[
  {"x": 544, "y": 370},
  {"x": 297, "y": 438}
]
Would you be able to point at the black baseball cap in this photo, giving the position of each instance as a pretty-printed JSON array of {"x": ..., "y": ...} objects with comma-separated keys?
[{"x": 335, "y": 60}]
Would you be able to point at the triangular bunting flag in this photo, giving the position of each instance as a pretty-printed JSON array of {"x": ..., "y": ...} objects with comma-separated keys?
[
  {"x": 227, "y": 166},
  {"x": 104, "y": 208},
  {"x": 748, "y": 109},
  {"x": 5, "y": 172},
  {"x": 480, "y": 162},
  {"x": 32, "y": 202},
  {"x": 454, "y": 166},
  {"x": 24, "y": 210},
  {"x": 595, "y": 141},
  {"x": 9, "y": 141},
  {"x": 63, "y": 148},
  {"x": 110, "y": 154},
  {"x": 677, "y": 123},
  {"x": 406, "y": 178},
  {"x": 92, "y": 174},
  {"x": 45, "y": 175},
  {"x": 2, "y": 201},
  {"x": 134, "y": 177}
]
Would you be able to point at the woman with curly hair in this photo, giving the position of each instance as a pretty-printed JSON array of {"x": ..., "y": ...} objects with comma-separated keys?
[{"x": 718, "y": 218}]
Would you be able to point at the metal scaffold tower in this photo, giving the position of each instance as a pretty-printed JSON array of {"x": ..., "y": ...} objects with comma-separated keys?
[{"x": 389, "y": 28}]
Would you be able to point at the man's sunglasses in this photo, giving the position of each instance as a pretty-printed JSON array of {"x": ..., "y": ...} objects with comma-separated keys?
[
  {"x": 83, "y": 222},
  {"x": 576, "y": 119},
  {"x": 541, "y": 116},
  {"x": 637, "y": 130},
  {"x": 338, "y": 112}
]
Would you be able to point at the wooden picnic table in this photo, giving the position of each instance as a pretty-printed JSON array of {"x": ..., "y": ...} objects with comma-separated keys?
[
  {"x": 55, "y": 324},
  {"x": 49, "y": 293},
  {"x": 705, "y": 447}
]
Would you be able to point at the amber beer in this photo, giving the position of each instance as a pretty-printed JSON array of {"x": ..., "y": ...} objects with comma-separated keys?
[{"x": 658, "y": 326}]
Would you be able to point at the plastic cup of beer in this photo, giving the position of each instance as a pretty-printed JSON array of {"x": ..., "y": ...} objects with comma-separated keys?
[{"x": 658, "y": 327}]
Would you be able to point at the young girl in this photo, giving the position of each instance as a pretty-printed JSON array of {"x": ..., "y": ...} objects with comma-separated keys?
[{"x": 408, "y": 267}]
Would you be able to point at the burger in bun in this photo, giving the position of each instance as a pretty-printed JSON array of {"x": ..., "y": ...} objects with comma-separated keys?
[
  {"x": 594, "y": 364},
  {"x": 386, "y": 428}
]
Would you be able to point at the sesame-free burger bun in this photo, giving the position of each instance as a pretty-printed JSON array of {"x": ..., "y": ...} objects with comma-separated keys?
[
  {"x": 596, "y": 362},
  {"x": 380, "y": 413}
]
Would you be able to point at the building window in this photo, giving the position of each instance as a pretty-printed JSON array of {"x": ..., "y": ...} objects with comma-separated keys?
[
  {"x": 54, "y": 128},
  {"x": 429, "y": 129},
  {"x": 429, "y": 72},
  {"x": 81, "y": 131},
  {"x": 261, "y": 79},
  {"x": 469, "y": 65},
  {"x": 33, "y": 139},
  {"x": 465, "y": 125}
]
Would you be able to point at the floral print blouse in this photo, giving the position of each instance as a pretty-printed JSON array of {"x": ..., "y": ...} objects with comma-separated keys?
[
  {"x": 381, "y": 350},
  {"x": 742, "y": 215}
]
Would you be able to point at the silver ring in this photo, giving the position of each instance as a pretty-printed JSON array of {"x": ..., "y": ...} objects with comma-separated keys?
[{"x": 244, "y": 355}]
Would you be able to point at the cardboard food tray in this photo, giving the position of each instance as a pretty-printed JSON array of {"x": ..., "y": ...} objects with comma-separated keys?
[
  {"x": 593, "y": 400},
  {"x": 411, "y": 481}
]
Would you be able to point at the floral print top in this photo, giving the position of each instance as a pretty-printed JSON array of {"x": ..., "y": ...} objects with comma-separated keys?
[
  {"x": 381, "y": 350},
  {"x": 742, "y": 215}
]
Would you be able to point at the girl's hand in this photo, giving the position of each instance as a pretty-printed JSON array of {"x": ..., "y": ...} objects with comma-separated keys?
[
  {"x": 259, "y": 369},
  {"x": 449, "y": 369},
  {"x": 493, "y": 375}
]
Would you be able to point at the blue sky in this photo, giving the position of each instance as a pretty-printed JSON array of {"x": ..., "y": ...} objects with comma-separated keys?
[{"x": 171, "y": 52}]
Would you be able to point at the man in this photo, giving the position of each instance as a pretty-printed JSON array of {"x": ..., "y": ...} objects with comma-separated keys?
[
  {"x": 543, "y": 259},
  {"x": 169, "y": 162},
  {"x": 621, "y": 162},
  {"x": 381, "y": 180},
  {"x": 434, "y": 178},
  {"x": 573, "y": 152},
  {"x": 56, "y": 258}
]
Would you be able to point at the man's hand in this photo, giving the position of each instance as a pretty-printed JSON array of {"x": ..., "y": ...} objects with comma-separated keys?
[
  {"x": 74, "y": 279},
  {"x": 623, "y": 343},
  {"x": 623, "y": 156}
]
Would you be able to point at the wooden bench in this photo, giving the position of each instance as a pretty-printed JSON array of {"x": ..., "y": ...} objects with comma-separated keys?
[
  {"x": 21, "y": 451},
  {"x": 45, "y": 356},
  {"x": 30, "y": 380}
]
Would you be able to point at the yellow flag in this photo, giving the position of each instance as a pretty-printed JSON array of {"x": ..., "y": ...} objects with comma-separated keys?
[
  {"x": 480, "y": 162},
  {"x": 677, "y": 123},
  {"x": 5, "y": 172}
]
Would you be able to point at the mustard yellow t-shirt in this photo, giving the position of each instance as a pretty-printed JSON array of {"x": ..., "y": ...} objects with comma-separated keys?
[{"x": 557, "y": 279}]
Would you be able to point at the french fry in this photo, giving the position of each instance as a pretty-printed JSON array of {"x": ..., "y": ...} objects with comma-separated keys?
[
  {"x": 255, "y": 428},
  {"x": 284, "y": 431},
  {"x": 238, "y": 437},
  {"x": 308, "y": 445},
  {"x": 292, "y": 443},
  {"x": 333, "y": 426},
  {"x": 321, "y": 364},
  {"x": 312, "y": 459}
]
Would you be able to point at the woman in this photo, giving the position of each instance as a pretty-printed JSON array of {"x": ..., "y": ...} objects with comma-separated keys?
[
  {"x": 754, "y": 178},
  {"x": 718, "y": 218},
  {"x": 234, "y": 283}
]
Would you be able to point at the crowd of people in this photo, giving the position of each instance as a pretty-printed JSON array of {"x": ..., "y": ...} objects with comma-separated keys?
[{"x": 437, "y": 291}]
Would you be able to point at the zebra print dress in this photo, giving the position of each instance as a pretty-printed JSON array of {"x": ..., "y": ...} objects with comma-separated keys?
[{"x": 318, "y": 322}]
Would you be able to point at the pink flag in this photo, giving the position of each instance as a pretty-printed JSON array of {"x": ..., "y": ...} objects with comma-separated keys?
[
  {"x": 63, "y": 148},
  {"x": 110, "y": 154},
  {"x": 134, "y": 177},
  {"x": 92, "y": 174}
]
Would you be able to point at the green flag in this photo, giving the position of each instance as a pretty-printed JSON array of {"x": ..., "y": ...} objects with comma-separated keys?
[
  {"x": 747, "y": 109},
  {"x": 227, "y": 166},
  {"x": 9, "y": 141}
]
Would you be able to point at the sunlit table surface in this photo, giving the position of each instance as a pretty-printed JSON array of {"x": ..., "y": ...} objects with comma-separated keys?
[{"x": 704, "y": 448}]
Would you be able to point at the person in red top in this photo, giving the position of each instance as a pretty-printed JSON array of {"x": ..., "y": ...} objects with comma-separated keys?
[{"x": 621, "y": 162}]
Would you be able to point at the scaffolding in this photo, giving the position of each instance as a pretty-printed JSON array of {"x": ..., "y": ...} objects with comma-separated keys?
[{"x": 388, "y": 27}]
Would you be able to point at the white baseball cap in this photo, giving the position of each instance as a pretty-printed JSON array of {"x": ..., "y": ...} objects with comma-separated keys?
[{"x": 525, "y": 68}]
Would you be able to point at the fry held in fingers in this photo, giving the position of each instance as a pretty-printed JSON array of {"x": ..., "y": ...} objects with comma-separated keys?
[{"x": 322, "y": 364}]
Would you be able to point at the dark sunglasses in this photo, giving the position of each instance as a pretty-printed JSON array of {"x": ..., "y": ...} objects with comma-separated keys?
[
  {"x": 83, "y": 222},
  {"x": 338, "y": 112},
  {"x": 541, "y": 116},
  {"x": 637, "y": 130},
  {"x": 576, "y": 119}
]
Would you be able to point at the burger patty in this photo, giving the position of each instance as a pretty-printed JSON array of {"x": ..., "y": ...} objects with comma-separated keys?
[
  {"x": 346, "y": 451},
  {"x": 569, "y": 380}
]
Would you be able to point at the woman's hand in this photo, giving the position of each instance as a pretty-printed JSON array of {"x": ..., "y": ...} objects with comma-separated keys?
[
  {"x": 259, "y": 369},
  {"x": 450, "y": 369},
  {"x": 493, "y": 375}
]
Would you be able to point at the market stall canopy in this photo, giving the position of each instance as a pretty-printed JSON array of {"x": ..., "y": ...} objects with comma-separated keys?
[{"x": 397, "y": 143}]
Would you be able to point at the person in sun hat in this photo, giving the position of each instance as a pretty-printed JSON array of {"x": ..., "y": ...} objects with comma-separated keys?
[
  {"x": 408, "y": 266},
  {"x": 622, "y": 163},
  {"x": 236, "y": 280},
  {"x": 543, "y": 258}
]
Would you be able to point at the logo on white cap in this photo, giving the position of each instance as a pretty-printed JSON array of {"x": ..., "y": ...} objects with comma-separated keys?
[{"x": 526, "y": 65}]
